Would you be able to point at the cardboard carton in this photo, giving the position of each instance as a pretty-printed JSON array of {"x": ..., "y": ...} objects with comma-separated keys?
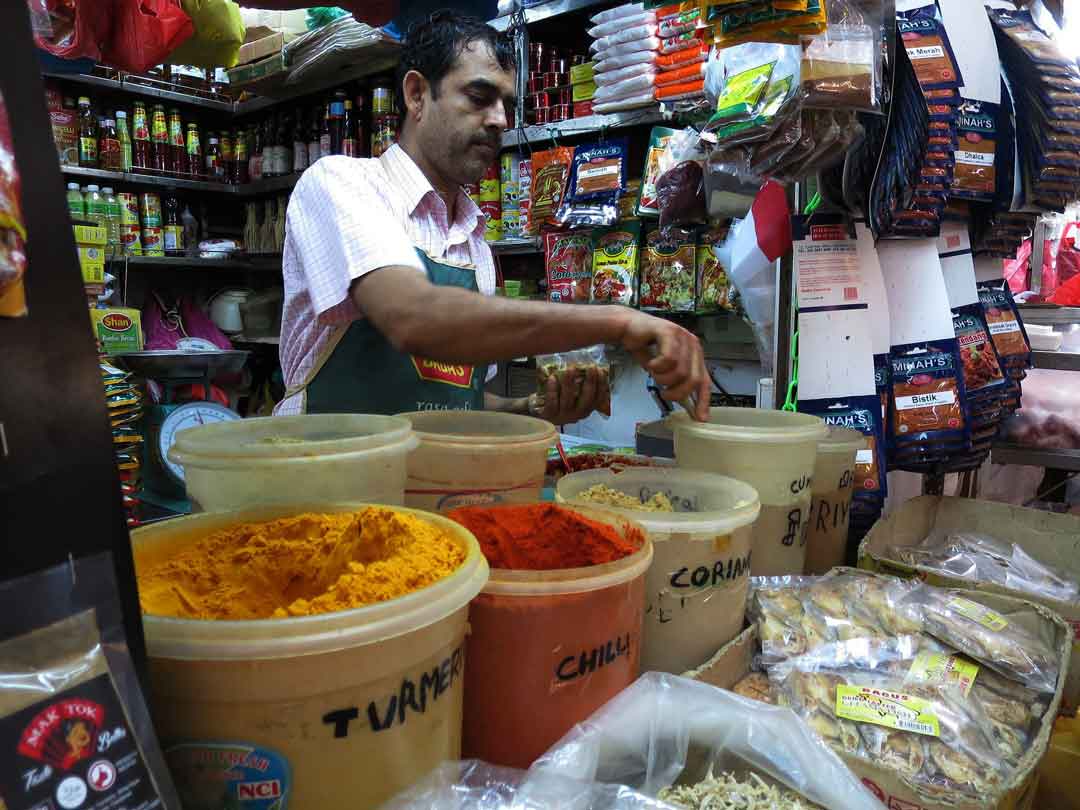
[{"x": 117, "y": 329}]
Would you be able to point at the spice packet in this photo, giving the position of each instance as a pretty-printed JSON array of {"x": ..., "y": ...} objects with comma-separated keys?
[
  {"x": 568, "y": 261},
  {"x": 615, "y": 264},
  {"x": 1005, "y": 326},
  {"x": 576, "y": 363},
  {"x": 927, "y": 405},
  {"x": 550, "y": 173},
  {"x": 744, "y": 72},
  {"x": 714, "y": 289},
  {"x": 648, "y": 205},
  {"x": 74, "y": 722},
  {"x": 974, "y": 177},
  {"x": 983, "y": 376},
  {"x": 839, "y": 69},
  {"x": 668, "y": 271},
  {"x": 597, "y": 180},
  {"x": 927, "y": 45}
]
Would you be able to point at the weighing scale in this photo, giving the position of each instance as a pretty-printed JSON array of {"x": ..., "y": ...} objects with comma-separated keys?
[{"x": 163, "y": 479}]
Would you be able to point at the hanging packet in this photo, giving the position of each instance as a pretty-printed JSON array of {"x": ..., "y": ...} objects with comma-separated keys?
[
  {"x": 568, "y": 262},
  {"x": 714, "y": 290},
  {"x": 680, "y": 42},
  {"x": 668, "y": 271},
  {"x": 550, "y": 173},
  {"x": 597, "y": 180},
  {"x": 647, "y": 204},
  {"x": 745, "y": 71},
  {"x": 928, "y": 397},
  {"x": 615, "y": 264},
  {"x": 927, "y": 45},
  {"x": 577, "y": 363},
  {"x": 1006, "y": 327},
  {"x": 974, "y": 176}
]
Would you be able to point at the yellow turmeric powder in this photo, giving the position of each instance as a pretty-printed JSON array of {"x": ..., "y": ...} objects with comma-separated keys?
[{"x": 299, "y": 566}]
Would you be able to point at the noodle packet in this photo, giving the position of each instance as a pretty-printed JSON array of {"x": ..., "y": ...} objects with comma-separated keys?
[
  {"x": 927, "y": 405},
  {"x": 550, "y": 173},
  {"x": 597, "y": 180},
  {"x": 668, "y": 271},
  {"x": 74, "y": 722},
  {"x": 615, "y": 264},
  {"x": 714, "y": 289},
  {"x": 576, "y": 363},
  {"x": 568, "y": 261},
  {"x": 927, "y": 45}
]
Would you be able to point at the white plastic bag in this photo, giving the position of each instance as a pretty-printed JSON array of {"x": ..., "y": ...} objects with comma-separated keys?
[
  {"x": 628, "y": 103},
  {"x": 622, "y": 74},
  {"x": 633, "y": 46},
  {"x": 474, "y": 785},
  {"x": 617, "y": 13},
  {"x": 625, "y": 88},
  {"x": 615, "y": 26},
  {"x": 638, "y": 32},
  {"x": 644, "y": 737},
  {"x": 607, "y": 63}
]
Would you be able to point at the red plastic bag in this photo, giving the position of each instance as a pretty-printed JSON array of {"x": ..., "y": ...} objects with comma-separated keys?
[
  {"x": 1068, "y": 256},
  {"x": 144, "y": 33},
  {"x": 1068, "y": 294},
  {"x": 1016, "y": 270},
  {"x": 71, "y": 29}
]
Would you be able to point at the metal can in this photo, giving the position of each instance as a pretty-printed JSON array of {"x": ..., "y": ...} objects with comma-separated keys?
[
  {"x": 152, "y": 242},
  {"x": 543, "y": 115},
  {"x": 534, "y": 86},
  {"x": 558, "y": 66},
  {"x": 537, "y": 52},
  {"x": 150, "y": 210},
  {"x": 382, "y": 101},
  {"x": 560, "y": 112},
  {"x": 564, "y": 95},
  {"x": 493, "y": 227},
  {"x": 129, "y": 208},
  {"x": 511, "y": 224},
  {"x": 553, "y": 80},
  {"x": 489, "y": 185},
  {"x": 130, "y": 240},
  {"x": 508, "y": 180},
  {"x": 536, "y": 100}
]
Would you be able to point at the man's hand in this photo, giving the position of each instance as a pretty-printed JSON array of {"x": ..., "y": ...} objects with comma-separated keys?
[
  {"x": 568, "y": 398},
  {"x": 678, "y": 364}
]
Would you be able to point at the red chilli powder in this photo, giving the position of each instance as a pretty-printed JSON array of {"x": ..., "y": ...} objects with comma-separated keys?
[{"x": 537, "y": 663}]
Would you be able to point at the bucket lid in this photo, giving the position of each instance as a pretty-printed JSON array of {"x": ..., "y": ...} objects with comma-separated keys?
[
  {"x": 254, "y": 639},
  {"x": 301, "y": 436},
  {"x": 841, "y": 440},
  {"x": 480, "y": 427},
  {"x": 704, "y": 502},
  {"x": 752, "y": 425}
]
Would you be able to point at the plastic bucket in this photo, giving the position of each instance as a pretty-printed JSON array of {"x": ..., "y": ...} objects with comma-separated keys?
[
  {"x": 466, "y": 458},
  {"x": 774, "y": 452},
  {"x": 357, "y": 703},
  {"x": 834, "y": 484},
  {"x": 548, "y": 648},
  {"x": 295, "y": 459},
  {"x": 695, "y": 590}
]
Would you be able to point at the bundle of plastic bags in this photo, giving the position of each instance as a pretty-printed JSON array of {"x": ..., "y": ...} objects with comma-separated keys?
[{"x": 624, "y": 52}]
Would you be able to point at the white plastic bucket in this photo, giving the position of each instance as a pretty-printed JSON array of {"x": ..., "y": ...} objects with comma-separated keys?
[
  {"x": 469, "y": 458},
  {"x": 695, "y": 590},
  {"x": 358, "y": 703},
  {"x": 290, "y": 459},
  {"x": 774, "y": 452},
  {"x": 834, "y": 484}
]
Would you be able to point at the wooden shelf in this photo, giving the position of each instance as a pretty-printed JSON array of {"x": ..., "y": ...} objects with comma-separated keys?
[{"x": 242, "y": 262}]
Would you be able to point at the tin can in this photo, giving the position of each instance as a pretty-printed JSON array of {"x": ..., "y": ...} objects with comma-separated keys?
[
  {"x": 524, "y": 191},
  {"x": 553, "y": 80},
  {"x": 582, "y": 108},
  {"x": 493, "y": 211},
  {"x": 173, "y": 238},
  {"x": 150, "y": 210},
  {"x": 472, "y": 191},
  {"x": 561, "y": 112},
  {"x": 511, "y": 224},
  {"x": 564, "y": 95},
  {"x": 558, "y": 66},
  {"x": 537, "y": 51},
  {"x": 542, "y": 115},
  {"x": 129, "y": 208},
  {"x": 130, "y": 241},
  {"x": 536, "y": 100},
  {"x": 153, "y": 243},
  {"x": 382, "y": 101},
  {"x": 533, "y": 86},
  {"x": 508, "y": 179},
  {"x": 489, "y": 185}
]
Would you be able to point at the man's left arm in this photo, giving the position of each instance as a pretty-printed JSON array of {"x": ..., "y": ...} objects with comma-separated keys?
[{"x": 563, "y": 401}]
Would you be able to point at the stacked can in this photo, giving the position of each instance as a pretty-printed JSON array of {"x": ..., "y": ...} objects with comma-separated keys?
[
  {"x": 549, "y": 96},
  {"x": 490, "y": 202},
  {"x": 150, "y": 212},
  {"x": 130, "y": 235},
  {"x": 510, "y": 195},
  {"x": 525, "y": 194}
]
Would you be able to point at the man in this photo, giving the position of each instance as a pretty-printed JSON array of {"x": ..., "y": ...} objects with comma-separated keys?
[{"x": 384, "y": 260}]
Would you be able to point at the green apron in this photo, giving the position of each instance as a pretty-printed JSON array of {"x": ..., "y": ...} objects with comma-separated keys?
[{"x": 360, "y": 372}]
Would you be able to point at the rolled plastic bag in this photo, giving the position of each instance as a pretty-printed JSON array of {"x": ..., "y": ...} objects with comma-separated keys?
[
  {"x": 665, "y": 729},
  {"x": 474, "y": 785},
  {"x": 629, "y": 103},
  {"x": 615, "y": 26},
  {"x": 617, "y": 13},
  {"x": 606, "y": 64},
  {"x": 638, "y": 32},
  {"x": 625, "y": 88}
]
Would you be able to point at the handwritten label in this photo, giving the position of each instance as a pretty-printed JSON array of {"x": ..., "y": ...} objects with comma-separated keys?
[
  {"x": 978, "y": 613},
  {"x": 866, "y": 704},
  {"x": 935, "y": 668},
  {"x": 704, "y": 576},
  {"x": 588, "y": 661}
]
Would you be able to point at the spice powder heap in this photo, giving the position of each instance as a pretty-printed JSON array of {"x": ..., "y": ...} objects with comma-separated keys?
[
  {"x": 544, "y": 537},
  {"x": 300, "y": 566}
]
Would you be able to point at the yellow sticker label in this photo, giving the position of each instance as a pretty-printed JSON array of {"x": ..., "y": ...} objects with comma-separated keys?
[
  {"x": 867, "y": 704},
  {"x": 933, "y": 668},
  {"x": 979, "y": 613}
]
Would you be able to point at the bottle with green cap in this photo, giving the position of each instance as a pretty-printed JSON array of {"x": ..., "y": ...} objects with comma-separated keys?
[
  {"x": 112, "y": 228},
  {"x": 96, "y": 208},
  {"x": 75, "y": 201}
]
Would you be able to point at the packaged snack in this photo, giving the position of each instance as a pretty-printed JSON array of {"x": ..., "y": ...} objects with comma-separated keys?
[
  {"x": 1006, "y": 328},
  {"x": 597, "y": 180},
  {"x": 615, "y": 264},
  {"x": 568, "y": 260},
  {"x": 714, "y": 290},
  {"x": 680, "y": 42},
  {"x": 744, "y": 72},
  {"x": 550, "y": 173},
  {"x": 576, "y": 363},
  {"x": 682, "y": 90},
  {"x": 927, "y": 402},
  {"x": 927, "y": 45},
  {"x": 668, "y": 271},
  {"x": 680, "y": 23},
  {"x": 686, "y": 56},
  {"x": 684, "y": 74},
  {"x": 648, "y": 205},
  {"x": 13, "y": 259}
]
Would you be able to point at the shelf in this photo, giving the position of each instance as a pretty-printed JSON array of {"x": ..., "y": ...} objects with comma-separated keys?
[
  {"x": 515, "y": 247},
  {"x": 580, "y": 126},
  {"x": 1060, "y": 361},
  {"x": 268, "y": 185},
  {"x": 134, "y": 179},
  {"x": 270, "y": 340},
  {"x": 1034, "y": 457},
  {"x": 126, "y": 85},
  {"x": 260, "y": 263},
  {"x": 543, "y": 11}
]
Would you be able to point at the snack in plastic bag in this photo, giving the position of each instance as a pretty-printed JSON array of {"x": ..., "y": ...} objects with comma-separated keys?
[
  {"x": 597, "y": 180},
  {"x": 568, "y": 261},
  {"x": 668, "y": 271},
  {"x": 714, "y": 291},
  {"x": 648, "y": 205},
  {"x": 664, "y": 730},
  {"x": 576, "y": 363},
  {"x": 550, "y": 173},
  {"x": 615, "y": 264}
]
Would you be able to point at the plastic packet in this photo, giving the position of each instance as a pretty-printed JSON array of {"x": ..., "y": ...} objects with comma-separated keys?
[
  {"x": 680, "y": 23},
  {"x": 568, "y": 263},
  {"x": 576, "y": 363},
  {"x": 647, "y": 204},
  {"x": 1019, "y": 28},
  {"x": 641, "y": 38},
  {"x": 550, "y": 173},
  {"x": 664, "y": 730},
  {"x": 681, "y": 42},
  {"x": 475, "y": 785},
  {"x": 615, "y": 26},
  {"x": 680, "y": 192},
  {"x": 927, "y": 401},
  {"x": 69, "y": 694},
  {"x": 928, "y": 48},
  {"x": 617, "y": 13},
  {"x": 714, "y": 290},
  {"x": 694, "y": 88},
  {"x": 983, "y": 376},
  {"x": 982, "y": 558},
  {"x": 622, "y": 74},
  {"x": 779, "y": 99},
  {"x": 668, "y": 271},
  {"x": 597, "y": 180},
  {"x": 608, "y": 63},
  {"x": 613, "y": 91},
  {"x": 839, "y": 69},
  {"x": 730, "y": 187},
  {"x": 615, "y": 264},
  {"x": 681, "y": 58},
  {"x": 1006, "y": 327},
  {"x": 684, "y": 74},
  {"x": 646, "y": 97},
  {"x": 744, "y": 72}
]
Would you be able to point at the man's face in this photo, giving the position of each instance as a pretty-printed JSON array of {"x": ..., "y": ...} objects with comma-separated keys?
[{"x": 461, "y": 129}]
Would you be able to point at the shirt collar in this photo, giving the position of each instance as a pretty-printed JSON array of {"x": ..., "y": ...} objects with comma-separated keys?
[{"x": 406, "y": 175}]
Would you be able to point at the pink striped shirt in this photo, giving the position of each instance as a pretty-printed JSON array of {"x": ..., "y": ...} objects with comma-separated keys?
[{"x": 350, "y": 216}]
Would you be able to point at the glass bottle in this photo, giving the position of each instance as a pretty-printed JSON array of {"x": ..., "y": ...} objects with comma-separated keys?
[
  {"x": 324, "y": 134},
  {"x": 313, "y": 150},
  {"x": 337, "y": 123},
  {"x": 255, "y": 162},
  {"x": 349, "y": 144},
  {"x": 269, "y": 163},
  {"x": 299, "y": 143},
  {"x": 140, "y": 155},
  {"x": 124, "y": 136},
  {"x": 88, "y": 135},
  {"x": 75, "y": 201},
  {"x": 172, "y": 232},
  {"x": 194, "y": 161},
  {"x": 361, "y": 129},
  {"x": 240, "y": 157},
  {"x": 284, "y": 145},
  {"x": 96, "y": 209},
  {"x": 159, "y": 139},
  {"x": 214, "y": 170},
  {"x": 177, "y": 146},
  {"x": 112, "y": 219},
  {"x": 228, "y": 156},
  {"x": 108, "y": 146}
]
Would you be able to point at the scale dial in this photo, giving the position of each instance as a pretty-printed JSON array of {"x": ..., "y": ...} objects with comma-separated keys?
[{"x": 188, "y": 415}]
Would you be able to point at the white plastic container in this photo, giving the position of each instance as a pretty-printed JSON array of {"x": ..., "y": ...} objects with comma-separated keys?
[
  {"x": 695, "y": 590},
  {"x": 295, "y": 459},
  {"x": 774, "y": 452},
  {"x": 357, "y": 703},
  {"x": 467, "y": 458},
  {"x": 833, "y": 487}
]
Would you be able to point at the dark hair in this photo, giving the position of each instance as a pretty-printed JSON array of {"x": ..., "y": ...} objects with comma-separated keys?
[{"x": 432, "y": 46}]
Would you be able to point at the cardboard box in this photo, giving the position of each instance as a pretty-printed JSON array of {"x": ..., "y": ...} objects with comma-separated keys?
[
  {"x": 735, "y": 660},
  {"x": 270, "y": 71},
  {"x": 117, "y": 330},
  {"x": 260, "y": 42},
  {"x": 1051, "y": 539},
  {"x": 90, "y": 242},
  {"x": 584, "y": 91},
  {"x": 582, "y": 73}
]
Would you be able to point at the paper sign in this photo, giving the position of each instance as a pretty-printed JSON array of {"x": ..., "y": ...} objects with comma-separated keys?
[{"x": 918, "y": 302}]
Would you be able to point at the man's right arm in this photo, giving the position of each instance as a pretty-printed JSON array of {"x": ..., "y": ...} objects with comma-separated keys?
[{"x": 455, "y": 325}]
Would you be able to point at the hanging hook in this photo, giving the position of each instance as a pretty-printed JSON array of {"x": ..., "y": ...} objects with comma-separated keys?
[{"x": 553, "y": 132}]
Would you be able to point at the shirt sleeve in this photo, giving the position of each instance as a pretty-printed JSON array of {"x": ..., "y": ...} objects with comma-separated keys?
[{"x": 341, "y": 228}]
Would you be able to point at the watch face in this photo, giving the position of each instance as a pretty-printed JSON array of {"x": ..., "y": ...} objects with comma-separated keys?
[{"x": 187, "y": 416}]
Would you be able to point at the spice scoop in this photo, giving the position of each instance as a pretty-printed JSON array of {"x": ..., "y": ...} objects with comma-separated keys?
[{"x": 689, "y": 402}]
